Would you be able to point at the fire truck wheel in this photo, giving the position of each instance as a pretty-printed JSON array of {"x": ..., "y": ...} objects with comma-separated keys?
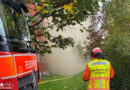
[{"x": 34, "y": 84}]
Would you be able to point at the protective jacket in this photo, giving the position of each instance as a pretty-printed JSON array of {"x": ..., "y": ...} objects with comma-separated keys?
[{"x": 98, "y": 73}]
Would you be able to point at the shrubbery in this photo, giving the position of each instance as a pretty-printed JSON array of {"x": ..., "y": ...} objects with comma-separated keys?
[{"x": 117, "y": 44}]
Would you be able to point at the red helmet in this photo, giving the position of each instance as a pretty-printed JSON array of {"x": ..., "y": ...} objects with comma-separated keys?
[{"x": 97, "y": 52}]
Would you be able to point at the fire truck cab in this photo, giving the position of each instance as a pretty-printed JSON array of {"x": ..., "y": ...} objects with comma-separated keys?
[{"x": 18, "y": 61}]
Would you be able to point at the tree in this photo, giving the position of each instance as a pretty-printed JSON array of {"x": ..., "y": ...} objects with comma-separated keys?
[
  {"x": 117, "y": 44},
  {"x": 62, "y": 13}
]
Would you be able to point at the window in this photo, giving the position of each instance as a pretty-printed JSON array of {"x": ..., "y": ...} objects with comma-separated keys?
[{"x": 13, "y": 24}]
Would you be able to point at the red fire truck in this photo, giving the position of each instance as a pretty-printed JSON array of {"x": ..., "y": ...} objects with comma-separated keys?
[{"x": 18, "y": 62}]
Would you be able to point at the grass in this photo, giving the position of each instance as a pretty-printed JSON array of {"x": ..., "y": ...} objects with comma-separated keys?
[{"x": 63, "y": 83}]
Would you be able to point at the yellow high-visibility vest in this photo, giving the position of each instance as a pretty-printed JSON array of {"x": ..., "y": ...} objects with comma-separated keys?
[{"x": 99, "y": 74}]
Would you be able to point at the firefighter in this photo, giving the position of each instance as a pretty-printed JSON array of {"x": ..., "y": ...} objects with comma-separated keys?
[{"x": 98, "y": 72}]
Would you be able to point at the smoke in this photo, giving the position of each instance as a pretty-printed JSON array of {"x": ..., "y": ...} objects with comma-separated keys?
[
  {"x": 70, "y": 61},
  {"x": 64, "y": 62}
]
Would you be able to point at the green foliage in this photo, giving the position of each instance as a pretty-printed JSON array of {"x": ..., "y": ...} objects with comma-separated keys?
[
  {"x": 117, "y": 44},
  {"x": 62, "y": 13}
]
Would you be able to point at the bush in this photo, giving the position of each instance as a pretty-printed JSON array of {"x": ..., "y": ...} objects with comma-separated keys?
[{"x": 117, "y": 44}]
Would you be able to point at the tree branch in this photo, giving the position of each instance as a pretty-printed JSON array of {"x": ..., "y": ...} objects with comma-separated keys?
[{"x": 47, "y": 15}]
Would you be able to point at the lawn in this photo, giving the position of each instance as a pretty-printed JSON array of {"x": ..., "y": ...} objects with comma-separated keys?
[{"x": 63, "y": 83}]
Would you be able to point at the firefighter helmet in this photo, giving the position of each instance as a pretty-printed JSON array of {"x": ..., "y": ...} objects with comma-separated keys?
[{"x": 97, "y": 52}]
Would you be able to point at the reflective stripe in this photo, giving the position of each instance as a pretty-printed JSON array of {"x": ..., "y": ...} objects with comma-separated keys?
[
  {"x": 24, "y": 73},
  {"x": 15, "y": 55},
  {"x": 9, "y": 77},
  {"x": 6, "y": 56},
  {"x": 16, "y": 75},
  {"x": 93, "y": 83},
  {"x": 99, "y": 63},
  {"x": 106, "y": 83},
  {"x": 21, "y": 54},
  {"x": 93, "y": 78},
  {"x": 99, "y": 83},
  {"x": 99, "y": 89}
]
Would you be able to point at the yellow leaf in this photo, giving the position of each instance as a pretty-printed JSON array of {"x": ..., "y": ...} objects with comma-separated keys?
[
  {"x": 45, "y": 11},
  {"x": 45, "y": 5},
  {"x": 75, "y": 1},
  {"x": 38, "y": 8},
  {"x": 42, "y": 1},
  {"x": 69, "y": 7}
]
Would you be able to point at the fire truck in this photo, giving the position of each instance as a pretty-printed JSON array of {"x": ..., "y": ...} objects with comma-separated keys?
[{"x": 18, "y": 62}]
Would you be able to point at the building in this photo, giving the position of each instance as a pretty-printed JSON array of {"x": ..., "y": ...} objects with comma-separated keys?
[{"x": 42, "y": 65}]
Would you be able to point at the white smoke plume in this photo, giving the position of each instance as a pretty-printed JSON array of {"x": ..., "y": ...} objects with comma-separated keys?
[{"x": 70, "y": 61}]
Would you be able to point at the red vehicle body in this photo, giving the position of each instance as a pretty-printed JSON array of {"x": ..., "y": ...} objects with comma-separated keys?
[{"x": 18, "y": 62}]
